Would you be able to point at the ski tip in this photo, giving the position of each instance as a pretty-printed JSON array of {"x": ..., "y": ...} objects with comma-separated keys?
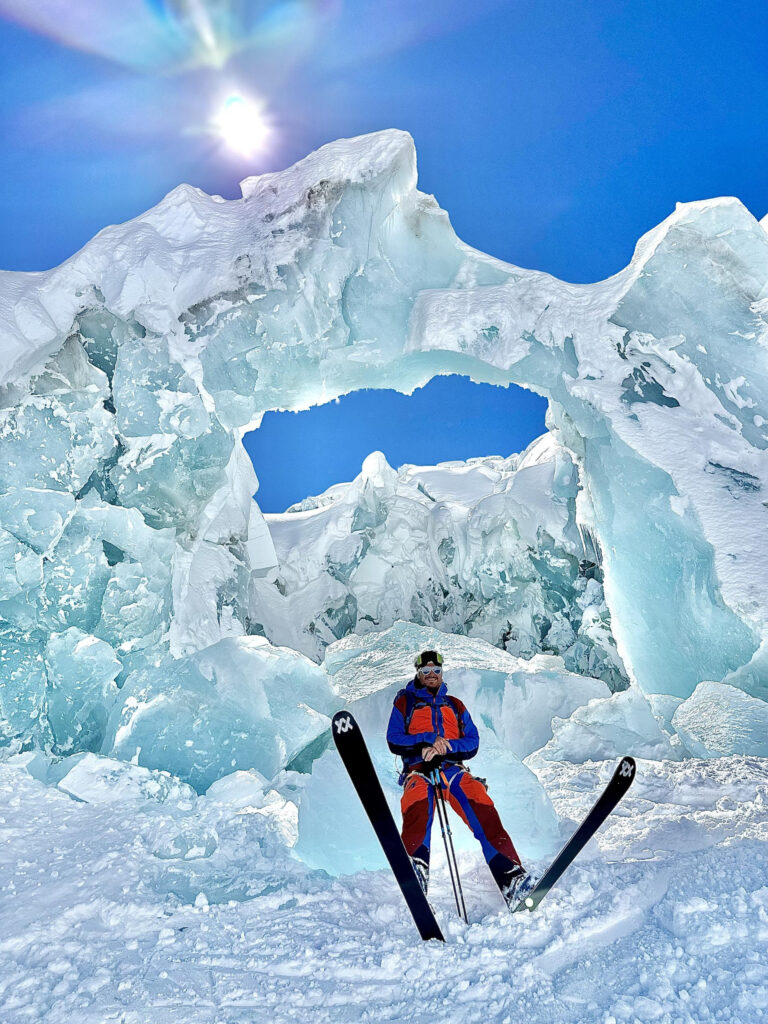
[
  {"x": 627, "y": 769},
  {"x": 343, "y": 721}
]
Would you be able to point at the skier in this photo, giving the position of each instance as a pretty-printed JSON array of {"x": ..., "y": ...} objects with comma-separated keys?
[{"x": 428, "y": 727}]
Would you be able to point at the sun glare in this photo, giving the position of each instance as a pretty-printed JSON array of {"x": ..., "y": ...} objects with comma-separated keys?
[{"x": 242, "y": 125}]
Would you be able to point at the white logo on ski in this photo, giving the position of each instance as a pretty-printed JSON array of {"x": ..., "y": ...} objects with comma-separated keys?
[
  {"x": 626, "y": 769},
  {"x": 344, "y": 724}
]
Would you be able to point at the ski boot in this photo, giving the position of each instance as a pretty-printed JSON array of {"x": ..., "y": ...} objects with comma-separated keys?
[
  {"x": 517, "y": 885},
  {"x": 422, "y": 873}
]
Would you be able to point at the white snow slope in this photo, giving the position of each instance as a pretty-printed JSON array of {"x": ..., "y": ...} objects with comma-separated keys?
[{"x": 664, "y": 918}]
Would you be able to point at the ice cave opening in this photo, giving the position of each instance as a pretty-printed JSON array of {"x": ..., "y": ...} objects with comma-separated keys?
[{"x": 303, "y": 453}]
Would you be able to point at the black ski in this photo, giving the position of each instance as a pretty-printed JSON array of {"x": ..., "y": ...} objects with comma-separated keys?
[
  {"x": 354, "y": 753},
  {"x": 613, "y": 792}
]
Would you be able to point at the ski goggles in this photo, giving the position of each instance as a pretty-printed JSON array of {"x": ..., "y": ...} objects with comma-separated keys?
[{"x": 436, "y": 669}]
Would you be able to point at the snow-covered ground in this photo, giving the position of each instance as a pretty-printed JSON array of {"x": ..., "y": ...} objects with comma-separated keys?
[{"x": 159, "y": 908}]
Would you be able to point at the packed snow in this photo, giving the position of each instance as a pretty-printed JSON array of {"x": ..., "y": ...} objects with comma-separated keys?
[
  {"x": 173, "y": 909},
  {"x": 179, "y": 839},
  {"x": 128, "y": 897}
]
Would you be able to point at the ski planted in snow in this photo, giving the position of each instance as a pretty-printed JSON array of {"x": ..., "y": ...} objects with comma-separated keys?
[
  {"x": 613, "y": 792},
  {"x": 354, "y": 753}
]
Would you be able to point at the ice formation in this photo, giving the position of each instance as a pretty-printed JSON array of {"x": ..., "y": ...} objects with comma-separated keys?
[
  {"x": 718, "y": 720},
  {"x": 240, "y": 703},
  {"x": 169, "y": 657},
  {"x": 138, "y": 574},
  {"x": 487, "y": 548}
]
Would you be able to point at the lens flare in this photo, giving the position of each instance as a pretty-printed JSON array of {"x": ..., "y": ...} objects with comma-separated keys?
[
  {"x": 243, "y": 126},
  {"x": 175, "y": 36}
]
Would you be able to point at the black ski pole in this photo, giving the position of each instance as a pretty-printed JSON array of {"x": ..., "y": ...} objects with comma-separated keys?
[
  {"x": 449, "y": 850},
  {"x": 450, "y": 853}
]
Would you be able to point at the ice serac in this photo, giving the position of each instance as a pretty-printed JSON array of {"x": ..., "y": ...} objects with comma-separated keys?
[
  {"x": 239, "y": 704},
  {"x": 657, "y": 383},
  {"x": 488, "y": 548},
  {"x": 129, "y": 375}
]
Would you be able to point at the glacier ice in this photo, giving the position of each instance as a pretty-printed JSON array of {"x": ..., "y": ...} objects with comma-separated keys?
[
  {"x": 81, "y": 671},
  {"x": 608, "y": 727},
  {"x": 239, "y": 704},
  {"x": 487, "y": 548},
  {"x": 139, "y": 582},
  {"x": 718, "y": 720}
]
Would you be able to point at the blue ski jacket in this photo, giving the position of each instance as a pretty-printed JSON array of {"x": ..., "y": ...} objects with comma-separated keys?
[{"x": 419, "y": 717}]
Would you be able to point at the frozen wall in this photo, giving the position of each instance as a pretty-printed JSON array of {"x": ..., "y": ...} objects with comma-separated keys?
[
  {"x": 488, "y": 548},
  {"x": 128, "y": 534}
]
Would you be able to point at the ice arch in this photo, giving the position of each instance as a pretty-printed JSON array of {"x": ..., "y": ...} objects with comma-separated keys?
[{"x": 130, "y": 373}]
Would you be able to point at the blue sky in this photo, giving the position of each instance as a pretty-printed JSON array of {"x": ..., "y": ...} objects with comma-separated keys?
[
  {"x": 554, "y": 133},
  {"x": 448, "y": 419}
]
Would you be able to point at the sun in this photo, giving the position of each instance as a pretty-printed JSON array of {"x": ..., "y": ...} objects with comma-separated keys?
[{"x": 242, "y": 125}]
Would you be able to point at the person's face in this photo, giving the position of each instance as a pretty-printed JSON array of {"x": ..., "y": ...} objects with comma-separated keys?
[{"x": 431, "y": 675}]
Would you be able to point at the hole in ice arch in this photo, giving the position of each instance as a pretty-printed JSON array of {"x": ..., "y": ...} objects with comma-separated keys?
[{"x": 301, "y": 454}]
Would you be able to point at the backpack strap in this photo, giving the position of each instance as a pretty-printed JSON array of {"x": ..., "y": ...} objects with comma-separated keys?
[
  {"x": 405, "y": 702},
  {"x": 459, "y": 707},
  {"x": 410, "y": 704}
]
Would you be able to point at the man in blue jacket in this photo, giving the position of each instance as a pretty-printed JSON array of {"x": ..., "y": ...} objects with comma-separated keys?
[{"x": 428, "y": 724}]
